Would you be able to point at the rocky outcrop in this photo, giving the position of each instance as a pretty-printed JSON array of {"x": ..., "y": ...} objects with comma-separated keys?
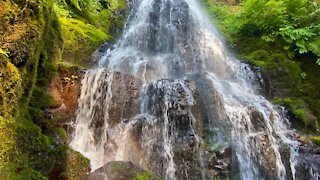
[
  {"x": 65, "y": 89},
  {"x": 166, "y": 131}
]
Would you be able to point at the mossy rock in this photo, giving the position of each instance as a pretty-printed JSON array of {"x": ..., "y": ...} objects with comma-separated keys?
[
  {"x": 10, "y": 86},
  {"x": 119, "y": 170},
  {"x": 75, "y": 165},
  {"x": 316, "y": 140},
  {"x": 7, "y": 140}
]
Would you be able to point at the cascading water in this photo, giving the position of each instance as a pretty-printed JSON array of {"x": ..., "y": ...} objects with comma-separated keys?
[{"x": 169, "y": 97}]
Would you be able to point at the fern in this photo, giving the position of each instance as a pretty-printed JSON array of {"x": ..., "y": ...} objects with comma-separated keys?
[
  {"x": 74, "y": 30},
  {"x": 76, "y": 4},
  {"x": 5, "y": 53}
]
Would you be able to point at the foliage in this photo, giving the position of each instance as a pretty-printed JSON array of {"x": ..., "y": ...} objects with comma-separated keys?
[
  {"x": 293, "y": 23},
  {"x": 6, "y": 53},
  {"x": 76, "y": 30},
  {"x": 86, "y": 24},
  {"x": 225, "y": 17},
  {"x": 25, "y": 174}
]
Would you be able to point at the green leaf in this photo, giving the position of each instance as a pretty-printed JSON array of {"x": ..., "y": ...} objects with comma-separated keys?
[
  {"x": 318, "y": 61},
  {"x": 268, "y": 38},
  {"x": 76, "y": 4}
]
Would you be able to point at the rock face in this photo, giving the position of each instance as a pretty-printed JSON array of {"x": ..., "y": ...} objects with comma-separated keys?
[
  {"x": 160, "y": 126},
  {"x": 308, "y": 163},
  {"x": 125, "y": 97},
  {"x": 176, "y": 128},
  {"x": 119, "y": 171},
  {"x": 65, "y": 89}
]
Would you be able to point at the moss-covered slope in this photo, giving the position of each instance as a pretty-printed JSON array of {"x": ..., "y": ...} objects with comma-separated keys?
[{"x": 36, "y": 36}]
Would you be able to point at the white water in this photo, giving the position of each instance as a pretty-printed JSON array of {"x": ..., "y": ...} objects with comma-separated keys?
[{"x": 173, "y": 39}]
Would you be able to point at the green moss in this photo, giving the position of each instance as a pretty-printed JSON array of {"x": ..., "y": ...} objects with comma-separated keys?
[
  {"x": 299, "y": 113},
  {"x": 316, "y": 140},
  {"x": 116, "y": 166},
  {"x": 305, "y": 120},
  {"x": 60, "y": 133},
  {"x": 25, "y": 174},
  {"x": 144, "y": 176},
  {"x": 10, "y": 87},
  {"x": 86, "y": 29},
  {"x": 28, "y": 67},
  {"x": 76, "y": 165},
  {"x": 7, "y": 139}
]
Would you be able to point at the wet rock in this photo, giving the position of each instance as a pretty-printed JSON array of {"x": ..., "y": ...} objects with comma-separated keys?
[
  {"x": 257, "y": 119},
  {"x": 264, "y": 155},
  {"x": 285, "y": 157},
  {"x": 308, "y": 163},
  {"x": 220, "y": 163},
  {"x": 124, "y": 102},
  {"x": 98, "y": 53},
  {"x": 166, "y": 133},
  {"x": 209, "y": 109},
  {"x": 117, "y": 92},
  {"x": 65, "y": 89},
  {"x": 125, "y": 97},
  {"x": 118, "y": 170}
]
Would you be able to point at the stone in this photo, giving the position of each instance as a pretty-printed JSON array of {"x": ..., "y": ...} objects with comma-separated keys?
[
  {"x": 65, "y": 89},
  {"x": 118, "y": 170}
]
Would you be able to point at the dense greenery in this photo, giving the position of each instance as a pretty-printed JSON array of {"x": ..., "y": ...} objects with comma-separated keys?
[
  {"x": 292, "y": 23},
  {"x": 283, "y": 38},
  {"x": 85, "y": 24},
  {"x": 36, "y": 36}
]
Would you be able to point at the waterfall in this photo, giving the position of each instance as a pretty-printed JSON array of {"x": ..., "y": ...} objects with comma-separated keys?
[{"x": 169, "y": 97}]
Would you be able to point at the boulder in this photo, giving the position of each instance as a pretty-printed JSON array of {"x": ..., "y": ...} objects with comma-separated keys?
[{"x": 118, "y": 170}]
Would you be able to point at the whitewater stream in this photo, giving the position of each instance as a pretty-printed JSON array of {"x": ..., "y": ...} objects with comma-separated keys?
[{"x": 171, "y": 98}]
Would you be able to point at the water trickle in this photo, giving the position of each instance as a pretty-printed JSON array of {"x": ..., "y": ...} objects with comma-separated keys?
[{"x": 169, "y": 97}]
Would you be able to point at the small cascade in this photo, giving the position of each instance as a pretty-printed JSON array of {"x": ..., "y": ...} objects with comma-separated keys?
[
  {"x": 169, "y": 97},
  {"x": 93, "y": 110}
]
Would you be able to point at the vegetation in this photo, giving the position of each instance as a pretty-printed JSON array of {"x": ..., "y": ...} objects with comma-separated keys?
[
  {"x": 86, "y": 24},
  {"x": 144, "y": 176},
  {"x": 316, "y": 140},
  {"x": 36, "y": 36},
  {"x": 286, "y": 46}
]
